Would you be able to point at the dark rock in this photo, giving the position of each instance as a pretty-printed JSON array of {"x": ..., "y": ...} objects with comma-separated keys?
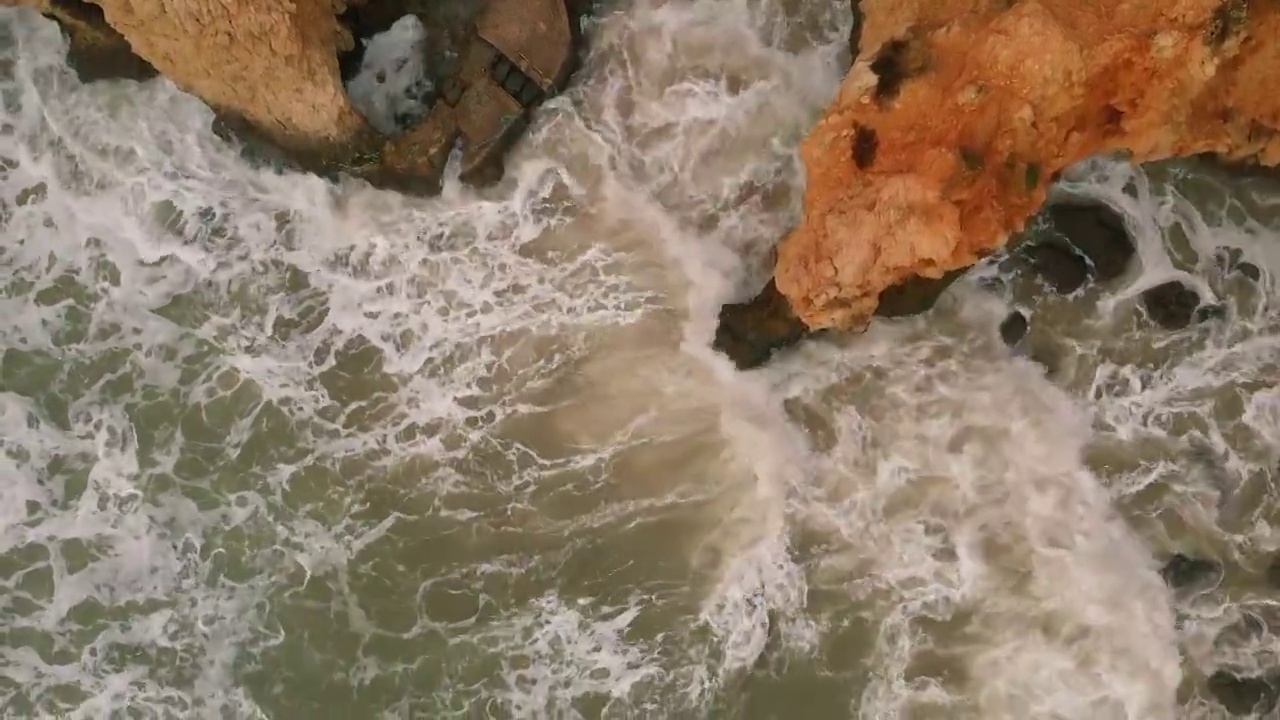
[
  {"x": 1014, "y": 328},
  {"x": 1243, "y": 696},
  {"x": 1227, "y": 21},
  {"x": 1183, "y": 572},
  {"x": 855, "y": 31},
  {"x": 865, "y": 144},
  {"x": 1249, "y": 270},
  {"x": 1216, "y": 311},
  {"x": 1247, "y": 168},
  {"x": 1227, "y": 258},
  {"x": 96, "y": 51},
  {"x": 1231, "y": 260},
  {"x": 751, "y": 332},
  {"x": 1097, "y": 231},
  {"x": 494, "y": 61},
  {"x": 916, "y": 295},
  {"x": 1059, "y": 265},
  {"x": 1171, "y": 305}
]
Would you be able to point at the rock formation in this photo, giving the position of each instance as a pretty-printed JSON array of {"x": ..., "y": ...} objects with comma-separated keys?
[
  {"x": 270, "y": 69},
  {"x": 957, "y": 115},
  {"x": 96, "y": 51}
]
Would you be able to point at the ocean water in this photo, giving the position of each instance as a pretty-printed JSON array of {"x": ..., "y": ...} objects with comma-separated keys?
[{"x": 276, "y": 447}]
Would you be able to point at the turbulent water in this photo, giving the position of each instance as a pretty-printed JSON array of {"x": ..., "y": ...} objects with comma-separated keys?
[{"x": 279, "y": 448}]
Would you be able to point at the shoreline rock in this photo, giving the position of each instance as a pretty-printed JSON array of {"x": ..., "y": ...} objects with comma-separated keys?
[
  {"x": 274, "y": 73},
  {"x": 968, "y": 134},
  {"x": 96, "y": 51}
]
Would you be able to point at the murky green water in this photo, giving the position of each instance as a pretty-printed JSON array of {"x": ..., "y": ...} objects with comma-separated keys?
[{"x": 280, "y": 448}]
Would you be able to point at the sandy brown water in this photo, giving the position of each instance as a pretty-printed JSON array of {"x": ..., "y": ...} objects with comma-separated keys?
[{"x": 276, "y": 447}]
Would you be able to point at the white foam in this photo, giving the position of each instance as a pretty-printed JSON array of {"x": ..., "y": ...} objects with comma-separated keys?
[{"x": 391, "y": 88}]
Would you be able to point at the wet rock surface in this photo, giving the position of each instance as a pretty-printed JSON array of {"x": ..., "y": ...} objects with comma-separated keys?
[
  {"x": 915, "y": 296},
  {"x": 486, "y": 64},
  {"x": 1171, "y": 305},
  {"x": 1230, "y": 261},
  {"x": 1059, "y": 265},
  {"x": 750, "y": 333},
  {"x": 1211, "y": 313},
  {"x": 1098, "y": 232},
  {"x": 96, "y": 51},
  {"x": 1183, "y": 572},
  {"x": 1089, "y": 242},
  {"x": 498, "y": 65},
  {"x": 942, "y": 193},
  {"x": 1014, "y": 328}
]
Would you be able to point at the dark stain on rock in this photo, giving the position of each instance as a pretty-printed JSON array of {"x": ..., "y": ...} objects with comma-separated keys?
[
  {"x": 865, "y": 144},
  {"x": 971, "y": 159},
  {"x": 750, "y": 333},
  {"x": 1032, "y": 176},
  {"x": 915, "y": 295},
  {"x": 1112, "y": 118},
  {"x": 1226, "y": 22},
  {"x": 1171, "y": 305},
  {"x": 894, "y": 64}
]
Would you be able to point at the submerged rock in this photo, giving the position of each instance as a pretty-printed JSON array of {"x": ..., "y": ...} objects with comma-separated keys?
[
  {"x": 1171, "y": 305},
  {"x": 1098, "y": 232},
  {"x": 1244, "y": 695},
  {"x": 938, "y": 195},
  {"x": 1058, "y": 264},
  {"x": 1231, "y": 260},
  {"x": 1207, "y": 313},
  {"x": 1182, "y": 572},
  {"x": 751, "y": 332},
  {"x": 1014, "y": 328}
]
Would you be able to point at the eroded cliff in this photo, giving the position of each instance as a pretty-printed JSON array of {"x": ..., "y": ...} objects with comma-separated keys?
[
  {"x": 271, "y": 69},
  {"x": 957, "y": 115}
]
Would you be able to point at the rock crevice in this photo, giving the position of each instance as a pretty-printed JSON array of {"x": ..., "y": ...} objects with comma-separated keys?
[{"x": 275, "y": 71}]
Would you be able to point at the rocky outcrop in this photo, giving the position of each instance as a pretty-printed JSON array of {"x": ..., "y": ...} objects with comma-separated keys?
[
  {"x": 956, "y": 116},
  {"x": 271, "y": 70},
  {"x": 95, "y": 50}
]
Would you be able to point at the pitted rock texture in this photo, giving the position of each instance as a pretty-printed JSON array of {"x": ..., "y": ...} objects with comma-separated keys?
[{"x": 957, "y": 114}]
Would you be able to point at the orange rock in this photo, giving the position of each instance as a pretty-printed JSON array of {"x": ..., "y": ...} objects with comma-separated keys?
[
  {"x": 270, "y": 70},
  {"x": 271, "y": 63},
  {"x": 957, "y": 114}
]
